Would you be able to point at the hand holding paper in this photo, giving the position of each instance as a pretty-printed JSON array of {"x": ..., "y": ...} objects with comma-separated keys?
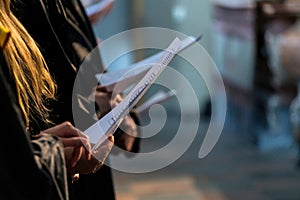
[{"x": 110, "y": 122}]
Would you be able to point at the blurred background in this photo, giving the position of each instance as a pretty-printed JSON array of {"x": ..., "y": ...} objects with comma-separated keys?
[{"x": 255, "y": 45}]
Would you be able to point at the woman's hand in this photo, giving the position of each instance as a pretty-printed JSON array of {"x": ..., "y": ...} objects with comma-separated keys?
[
  {"x": 105, "y": 100},
  {"x": 99, "y": 155},
  {"x": 71, "y": 137},
  {"x": 127, "y": 131}
]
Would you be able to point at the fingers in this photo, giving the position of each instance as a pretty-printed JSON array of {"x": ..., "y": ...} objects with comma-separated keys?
[
  {"x": 117, "y": 99},
  {"x": 84, "y": 166},
  {"x": 71, "y": 136},
  {"x": 103, "y": 98},
  {"x": 129, "y": 126},
  {"x": 106, "y": 100},
  {"x": 78, "y": 142},
  {"x": 104, "y": 149},
  {"x": 65, "y": 129},
  {"x": 102, "y": 152},
  {"x": 88, "y": 149},
  {"x": 76, "y": 155},
  {"x": 111, "y": 138},
  {"x": 103, "y": 101},
  {"x": 103, "y": 90},
  {"x": 75, "y": 177}
]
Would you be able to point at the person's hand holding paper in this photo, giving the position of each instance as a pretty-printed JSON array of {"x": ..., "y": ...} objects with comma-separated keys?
[
  {"x": 87, "y": 166},
  {"x": 75, "y": 142},
  {"x": 110, "y": 122},
  {"x": 105, "y": 100},
  {"x": 127, "y": 132}
]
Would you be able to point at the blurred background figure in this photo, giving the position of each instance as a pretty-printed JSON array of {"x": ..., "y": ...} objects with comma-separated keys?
[{"x": 97, "y": 9}]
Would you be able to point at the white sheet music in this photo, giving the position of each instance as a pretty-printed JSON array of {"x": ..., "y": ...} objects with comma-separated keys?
[
  {"x": 158, "y": 97},
  {"x": 109, "y": 123},
  {"x": 123, "y": 78}
]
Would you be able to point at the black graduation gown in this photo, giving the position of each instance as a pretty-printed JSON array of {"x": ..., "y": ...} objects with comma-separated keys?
[
  {"x": 24, "y": 169},
  {"x": 76, "y": 38}
]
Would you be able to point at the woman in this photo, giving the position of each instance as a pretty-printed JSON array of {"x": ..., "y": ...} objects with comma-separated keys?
[
  {"x": 27, "y": 87},
  {"x": 65, "y": 35}
]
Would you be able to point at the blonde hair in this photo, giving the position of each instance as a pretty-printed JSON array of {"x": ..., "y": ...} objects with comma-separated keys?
[{"x": 34, "y": 84}]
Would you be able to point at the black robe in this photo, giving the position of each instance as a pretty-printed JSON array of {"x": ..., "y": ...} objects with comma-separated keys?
[
  {"x": 26, "y": 172},
  {"x": 64, "y": 47}
]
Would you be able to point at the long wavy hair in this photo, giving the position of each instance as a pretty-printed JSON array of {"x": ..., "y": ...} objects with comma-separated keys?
[{"x": 34, "y": 84}]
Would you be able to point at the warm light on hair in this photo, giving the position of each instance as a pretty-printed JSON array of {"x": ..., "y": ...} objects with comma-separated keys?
[{"x": 34, "y": 84}]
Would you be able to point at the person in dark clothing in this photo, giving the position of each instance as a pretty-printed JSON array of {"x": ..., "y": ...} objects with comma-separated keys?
[
  {"x": 41, "y": 157},
  {"x": 65, "y": 36},
  {"x": 25, "y": 85},
  {"x": 19, "y": 151}
]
